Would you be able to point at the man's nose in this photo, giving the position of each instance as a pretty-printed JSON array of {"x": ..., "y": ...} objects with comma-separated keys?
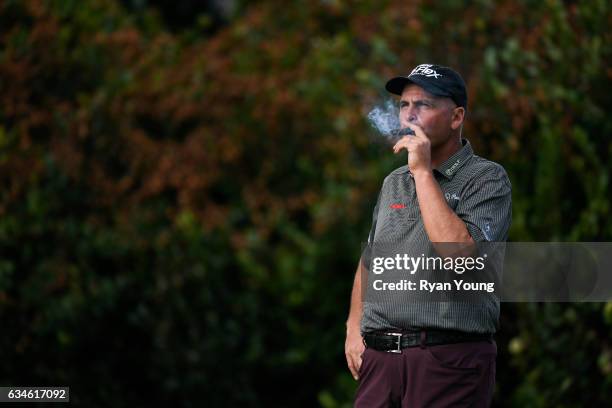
[{"x": 410, "y": 115}]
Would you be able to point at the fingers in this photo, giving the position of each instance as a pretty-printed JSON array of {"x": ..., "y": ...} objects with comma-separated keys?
[
  {"x": 418, "y": 131},
  {"x": 354, "y": 363},
  {"x": 411, "y": 143},
  {"x": 419, "y": 147},
  {"x": 354, "y": 348},
  {"x": 403, "y": 143}
]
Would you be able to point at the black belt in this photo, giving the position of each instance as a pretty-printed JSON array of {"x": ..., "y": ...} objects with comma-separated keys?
[{"x": 394, "y": 342}]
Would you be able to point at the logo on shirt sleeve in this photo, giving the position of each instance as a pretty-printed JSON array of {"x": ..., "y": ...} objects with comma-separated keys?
[{"x": 450, "y": 196}]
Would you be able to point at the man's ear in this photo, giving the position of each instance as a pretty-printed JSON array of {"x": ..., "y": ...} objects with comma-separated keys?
[{"x": 457, "y": 118}]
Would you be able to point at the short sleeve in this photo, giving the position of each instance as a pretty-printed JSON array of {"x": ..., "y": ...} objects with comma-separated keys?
[
  {"x": 374, "y": 219},
  {"x": 486, "y": 206}
]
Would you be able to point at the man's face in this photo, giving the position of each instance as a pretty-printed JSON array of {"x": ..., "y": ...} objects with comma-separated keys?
[{"x": 437, "y": 116}]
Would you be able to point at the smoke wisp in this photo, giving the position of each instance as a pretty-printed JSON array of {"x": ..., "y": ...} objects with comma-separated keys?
[{"x": 385, "y": 119}]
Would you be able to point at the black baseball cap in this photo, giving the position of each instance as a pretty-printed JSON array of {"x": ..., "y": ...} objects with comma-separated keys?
[{"x": 435, "y": 79}]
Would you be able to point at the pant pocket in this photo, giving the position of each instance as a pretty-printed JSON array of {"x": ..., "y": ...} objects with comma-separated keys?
[
  {"x": 363, "y": 362},
  {"x": 450, "y": 382},
  {"x": 452, "y": 356}
]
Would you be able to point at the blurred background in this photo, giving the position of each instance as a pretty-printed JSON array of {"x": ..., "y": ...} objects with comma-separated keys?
[{"x": 186, "y": 186}]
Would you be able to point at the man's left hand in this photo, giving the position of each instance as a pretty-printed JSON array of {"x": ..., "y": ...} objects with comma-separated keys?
[{"x": 419, "y": 149}]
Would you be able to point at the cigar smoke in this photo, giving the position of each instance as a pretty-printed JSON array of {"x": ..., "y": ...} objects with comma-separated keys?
[{"x": 385, "y": 119}]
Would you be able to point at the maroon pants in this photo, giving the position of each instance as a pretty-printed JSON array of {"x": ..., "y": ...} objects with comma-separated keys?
[{"x": 449, "y": 375}]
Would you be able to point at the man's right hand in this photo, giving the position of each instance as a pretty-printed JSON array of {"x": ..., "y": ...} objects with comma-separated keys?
[{"x": 353, "y": 349}]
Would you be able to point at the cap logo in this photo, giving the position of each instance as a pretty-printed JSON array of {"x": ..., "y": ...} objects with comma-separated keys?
[{"x": 425, "y": 70}]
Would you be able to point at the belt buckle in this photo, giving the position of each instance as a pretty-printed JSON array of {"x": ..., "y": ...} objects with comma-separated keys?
[{"x": 399, "y": 343}]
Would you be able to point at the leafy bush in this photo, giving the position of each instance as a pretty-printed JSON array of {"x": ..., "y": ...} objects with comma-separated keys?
[{"x": 182, "y": 210}]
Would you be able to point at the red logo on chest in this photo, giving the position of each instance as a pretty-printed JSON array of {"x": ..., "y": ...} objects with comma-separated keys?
[{"x": 397, "y": 206}]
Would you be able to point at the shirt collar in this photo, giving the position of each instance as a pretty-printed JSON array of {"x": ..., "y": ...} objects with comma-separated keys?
[{"x": 451, "y": 165}]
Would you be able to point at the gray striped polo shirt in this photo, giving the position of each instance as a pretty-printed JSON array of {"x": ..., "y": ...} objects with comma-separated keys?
[{"x": 479, "y": 192}]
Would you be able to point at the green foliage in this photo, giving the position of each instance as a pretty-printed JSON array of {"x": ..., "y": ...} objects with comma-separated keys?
[{"x": 181, "y": 213}]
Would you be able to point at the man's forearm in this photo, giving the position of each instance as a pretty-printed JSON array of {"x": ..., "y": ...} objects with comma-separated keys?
[
  {"x": 353, "y": 322},
  {"x": 441, "y": 223}
]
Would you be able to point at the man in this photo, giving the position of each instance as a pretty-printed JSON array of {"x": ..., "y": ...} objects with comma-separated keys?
[{"x": 433, "y": 354}]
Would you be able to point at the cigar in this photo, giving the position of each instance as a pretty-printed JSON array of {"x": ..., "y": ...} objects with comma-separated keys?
[{"x": 397, "y": 134}]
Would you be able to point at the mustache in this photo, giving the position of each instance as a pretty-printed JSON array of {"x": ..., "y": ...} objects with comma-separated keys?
[{"x": 396, "y": 134}]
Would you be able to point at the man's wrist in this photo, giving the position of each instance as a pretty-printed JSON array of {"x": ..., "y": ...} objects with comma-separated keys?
[
  {"x": 353, "y": 327},
  {"x": 422, "y": 174}
]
